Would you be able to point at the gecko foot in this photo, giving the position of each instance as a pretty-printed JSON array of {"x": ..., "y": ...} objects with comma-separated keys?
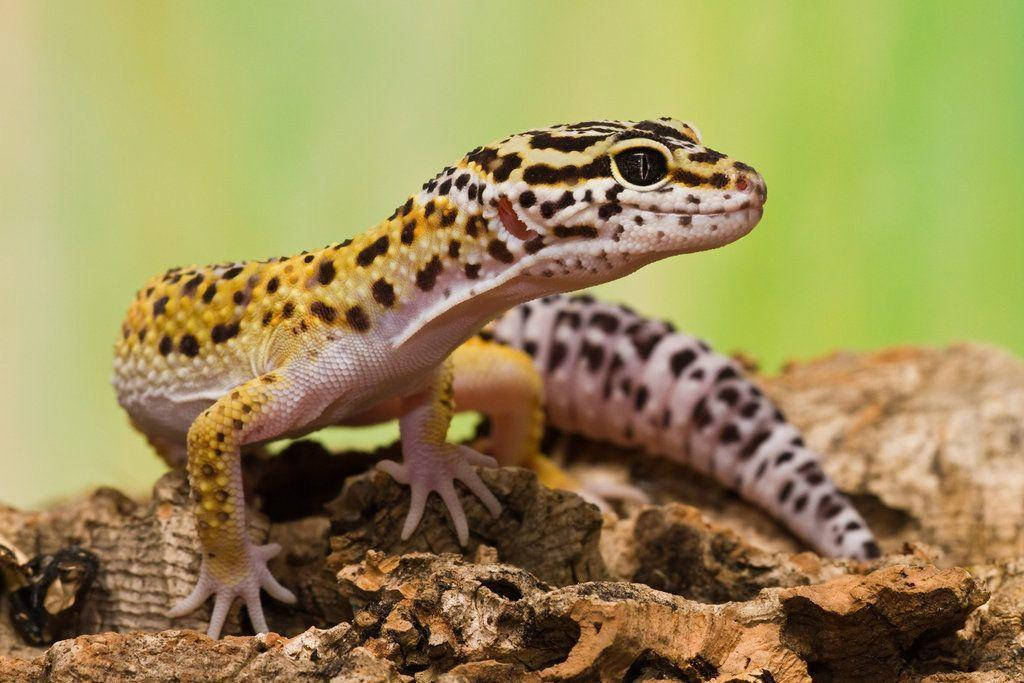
[
  {"x": 427, "y": 468},
  {"x": 248, "y": 588}
]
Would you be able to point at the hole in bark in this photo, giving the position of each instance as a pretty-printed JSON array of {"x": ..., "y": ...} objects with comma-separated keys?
[
  {"x": 549, "y": 641},
  {"x": 502, "y": 588},
  {"x": 650, "y": 665}
]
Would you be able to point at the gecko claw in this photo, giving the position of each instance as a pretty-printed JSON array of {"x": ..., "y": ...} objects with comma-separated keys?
[
  {"x": 256, "y": 577},
  {"x": 427, "y": 468}
]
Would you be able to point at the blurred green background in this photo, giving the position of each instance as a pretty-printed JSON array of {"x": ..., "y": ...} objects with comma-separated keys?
[{"x": 136, "y": 136}]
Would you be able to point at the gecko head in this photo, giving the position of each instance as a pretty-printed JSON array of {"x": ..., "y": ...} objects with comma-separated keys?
[{"x": 591, "y": 201}]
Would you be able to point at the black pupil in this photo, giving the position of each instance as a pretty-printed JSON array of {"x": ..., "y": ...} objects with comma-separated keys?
[{"x": 641, "y": 165}]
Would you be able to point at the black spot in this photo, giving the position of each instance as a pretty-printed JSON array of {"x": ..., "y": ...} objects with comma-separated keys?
[
  {"x": 499, "y": 250},
  {"x": 445, "y": 187},
  {"x": 701, "y": 415},
  {"x": 871, "y": 550},
  {"x": 585, "y": 231},
  {"x": 378, "y": 247},
  {"x": 564, "y": 143},
  {"x": 428, "y": 208},
  {"x": 357, "y": 318},
  {"x": 461, "y": 181},
  {"x": 427, "y": 277},
  {"x": 323, "y": 311},
  {"x": 191, "y": 284},
  {"x": 189, "y": 346},
  {"x": 685, "y": 219},
  {"x": 453, "y": 248},
  {"x": 509, "y": 163},
  {"x": 642, "y": 394},
  {"x": 725, "y": 373},
  {"x": 644, "y": 347},
  {"x": 557, "y": 355},
  {"x": 800, "y": 503},
  {"x": 408, "y": 232},
  {"x": 761, "y": 469},
  {"x": 740, "y": 166},
  {"x": 532, "y": 246},
  {"x": 384, "y": 293},
  {"x": 238, "y": 297},
  {"x": 571, "y": 317},
  {"x": 708, "y": 156},
  {"x": 288, "y": 309},
  {"x": 543, "y": 174},
  {"x": 783, "y": 457},
  {"x": 828, "y": 508},
  {"x": 326, "y": 272},
  {"x": 407, "y": 207},
  {"x": 730, "y": 433},
  {"x": 755, "y": 442},
  {"x": 612, "y": 369},
  {"x": 448, "y": 217},
  {"x": 272, "y": 285},
  {"x": 689, "y": 178},
  {"x": 267, "y": 317},
  {"x": 680, "y": 360},
  {"x": 232, "y": 273},
  {"x": 221, "y": 333},
  {"x": 661, "y": 130},
  {"x": 472, "y": 270},
  {"x": 475, "y": 225},
  {"x": 749, "y": 410},
  {"x": 593, "y": 354},
  {"x": 787, "y": 489},
  {"x": 612, "y": 194},
  {"x": 159, "y": 306},
  {"x": 609, "y": 210},
  {"x": 530, "y": 348},
  {"x": 729, "y": 396},
  {"x": 606, "y": 322},
  {"x": 165, "y": 345}
]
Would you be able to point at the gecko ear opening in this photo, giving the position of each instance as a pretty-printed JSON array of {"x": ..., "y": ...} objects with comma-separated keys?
[{"x": 512, "y": 222}]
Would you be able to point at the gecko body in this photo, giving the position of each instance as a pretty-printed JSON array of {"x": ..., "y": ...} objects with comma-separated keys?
[{"x": 214, "y": 359}]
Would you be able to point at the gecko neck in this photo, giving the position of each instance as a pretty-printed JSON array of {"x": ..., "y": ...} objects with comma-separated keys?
[{"x": 469, "y": 270}]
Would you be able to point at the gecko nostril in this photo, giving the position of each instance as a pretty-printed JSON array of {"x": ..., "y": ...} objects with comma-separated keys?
[{"x": 741, "y": 183}]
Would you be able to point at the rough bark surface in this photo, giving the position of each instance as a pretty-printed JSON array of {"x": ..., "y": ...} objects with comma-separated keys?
[{"x": 696, "y": 587}]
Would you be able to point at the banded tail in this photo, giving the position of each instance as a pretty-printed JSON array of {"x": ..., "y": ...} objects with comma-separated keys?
[{"x": 610, "y": 374}]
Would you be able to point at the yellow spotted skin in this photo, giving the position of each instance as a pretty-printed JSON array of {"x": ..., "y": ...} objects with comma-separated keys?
[{"x": 212, "y": 360}]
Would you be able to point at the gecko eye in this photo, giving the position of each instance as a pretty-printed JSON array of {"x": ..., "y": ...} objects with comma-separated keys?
[{"x": 640, "y": 167}]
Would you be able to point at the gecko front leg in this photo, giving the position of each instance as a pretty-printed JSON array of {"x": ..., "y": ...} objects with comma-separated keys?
[
  {"x": 232, "y": 566},
  {"x": 430, "y": 463}
]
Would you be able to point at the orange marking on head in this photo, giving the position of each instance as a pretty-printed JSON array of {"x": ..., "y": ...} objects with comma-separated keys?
[{"x": 512, "y": 222}]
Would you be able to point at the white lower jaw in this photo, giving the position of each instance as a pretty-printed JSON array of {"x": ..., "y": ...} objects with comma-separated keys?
[{"x": 620, "y": 250}]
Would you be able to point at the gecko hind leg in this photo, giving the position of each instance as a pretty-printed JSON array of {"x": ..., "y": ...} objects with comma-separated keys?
[{"x": 504, "y": 384}]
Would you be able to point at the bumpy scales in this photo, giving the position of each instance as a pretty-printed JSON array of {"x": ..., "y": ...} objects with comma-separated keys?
[{"x": 215, "y": 359}]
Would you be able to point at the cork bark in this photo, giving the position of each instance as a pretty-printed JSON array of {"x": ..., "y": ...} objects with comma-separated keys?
[{"x": 695, "y": 586}]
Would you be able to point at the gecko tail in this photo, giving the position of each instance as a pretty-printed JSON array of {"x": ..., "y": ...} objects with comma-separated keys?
[{"x": 610, "y": 374}]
